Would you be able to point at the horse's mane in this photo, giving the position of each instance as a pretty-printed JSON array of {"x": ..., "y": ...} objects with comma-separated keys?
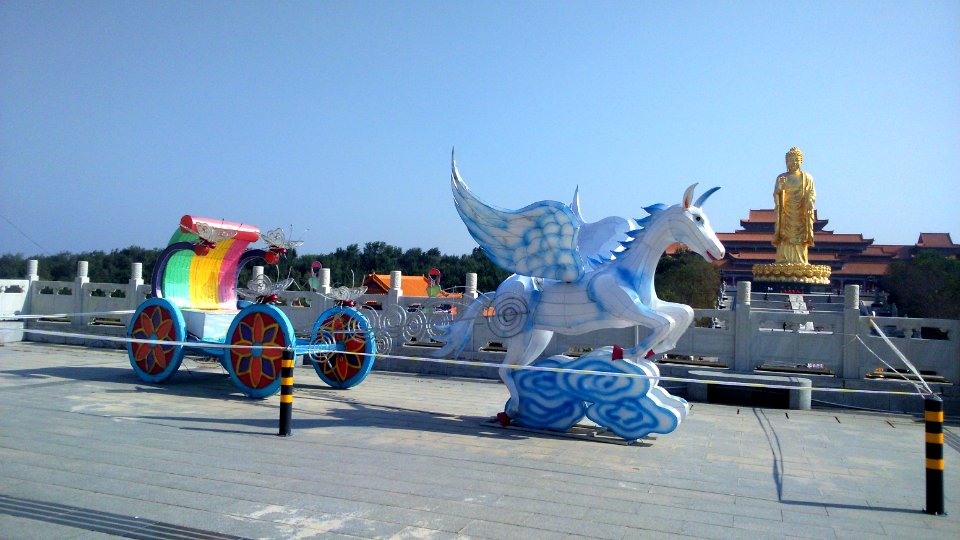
[{"x": 634, "y": 235}]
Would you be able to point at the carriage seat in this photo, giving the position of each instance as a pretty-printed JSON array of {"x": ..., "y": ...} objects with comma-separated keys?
[
  {"x": 204, "y": 286},
  {"x": 209, "y": 324}
]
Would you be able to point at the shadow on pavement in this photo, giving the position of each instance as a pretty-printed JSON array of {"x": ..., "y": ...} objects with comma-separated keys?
[
  {"x": 102, "y": 522},
  {"x": 776, "y": 452}
]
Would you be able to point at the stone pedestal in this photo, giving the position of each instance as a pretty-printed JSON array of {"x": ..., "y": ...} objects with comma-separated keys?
[{"x": 795, "y": 273}]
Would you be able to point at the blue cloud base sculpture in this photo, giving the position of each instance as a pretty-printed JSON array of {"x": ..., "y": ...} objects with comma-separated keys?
[{"x": 624, "y": 397}]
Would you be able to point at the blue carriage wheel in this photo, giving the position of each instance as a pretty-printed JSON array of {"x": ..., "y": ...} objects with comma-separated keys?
[
  {"x": 157, "y": 319},
  {"x": 349, "y": 336},
  {"x": 257, "y": 336}
]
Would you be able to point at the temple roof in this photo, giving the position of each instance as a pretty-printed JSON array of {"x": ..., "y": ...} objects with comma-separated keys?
[
  {"x": 862, "y": 268},
  {"x": 818, "y": 237},
  {"x": 887, "y": 251},
  {"x": 411, "y": 285},
  {"x": 763, "y": 220},
  {"x": 770, "y": 256},
  {"x": 936, "y": 240}
]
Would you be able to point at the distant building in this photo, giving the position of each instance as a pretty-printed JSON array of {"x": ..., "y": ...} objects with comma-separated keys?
[
  {"x": 853, "y": 259},
  {"x": 411, "y": 285}
]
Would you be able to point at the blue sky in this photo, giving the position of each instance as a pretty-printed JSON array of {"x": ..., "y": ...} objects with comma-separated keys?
[{"x": 337, "y": 118}]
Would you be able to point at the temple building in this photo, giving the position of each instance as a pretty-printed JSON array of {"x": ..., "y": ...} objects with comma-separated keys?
[
  {"x": 410, "y": 285},
  {"x": 853, "y": 259}
]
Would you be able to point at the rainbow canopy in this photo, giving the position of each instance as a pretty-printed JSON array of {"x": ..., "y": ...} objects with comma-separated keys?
[{"x": 206, "y": 281}]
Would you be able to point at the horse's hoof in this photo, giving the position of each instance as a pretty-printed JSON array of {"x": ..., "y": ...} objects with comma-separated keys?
[
  {"x": 617, "y": 353},
  {"x": 503, "y": 418}
]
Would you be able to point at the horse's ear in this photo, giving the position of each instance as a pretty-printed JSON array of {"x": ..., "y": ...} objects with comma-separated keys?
[{"x": 688, "y": 195}]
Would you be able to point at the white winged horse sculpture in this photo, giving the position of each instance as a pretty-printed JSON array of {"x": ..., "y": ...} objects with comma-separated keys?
[{"x": 573, "y": 277}]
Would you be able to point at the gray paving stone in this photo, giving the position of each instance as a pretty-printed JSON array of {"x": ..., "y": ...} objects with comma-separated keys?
[
  {"x": 484, "y": 512},
  {"x": 413, "y": 457},
  {"x": 487, "y": 529},
  {"x": 702, "y": 530},
  {"x": 778, "y": 527},
  {"x": 21, "y": 528}
]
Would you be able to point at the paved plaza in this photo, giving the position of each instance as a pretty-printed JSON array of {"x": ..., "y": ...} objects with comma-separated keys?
[{"x": 89, "y": 451}]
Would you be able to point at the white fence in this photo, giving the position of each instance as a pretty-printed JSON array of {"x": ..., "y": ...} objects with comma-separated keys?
[{"x": 834, "y": 340}]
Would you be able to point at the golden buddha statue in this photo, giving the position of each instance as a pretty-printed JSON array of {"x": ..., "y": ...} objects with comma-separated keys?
[{"x": 793, "y": 198}]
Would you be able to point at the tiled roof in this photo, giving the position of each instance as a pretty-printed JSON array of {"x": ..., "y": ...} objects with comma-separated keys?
[
  {"x": 825, "y": 237},
  {"x": 761, "y": 216},
  {"x": 771, "y": 255},
  {"x": 887, "y": 251},
  {"x": 764, "y": 218},
  {"x": 411, "y": 285},
  {"x": 936, "y": 240},
  {"x": 863, "y": 268}
]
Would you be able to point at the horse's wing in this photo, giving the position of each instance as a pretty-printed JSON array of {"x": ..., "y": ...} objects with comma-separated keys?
[
  {"x": 601, "y": 240},
  {"x": 539, "y": 240}
]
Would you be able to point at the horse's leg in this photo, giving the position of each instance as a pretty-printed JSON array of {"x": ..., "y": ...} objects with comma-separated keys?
[
  {"x": 682, "y": 316},
  {"x": 522, "y": 349},
  {"x": 622, "y": 302},
  {"x": 660, "y": 325}
]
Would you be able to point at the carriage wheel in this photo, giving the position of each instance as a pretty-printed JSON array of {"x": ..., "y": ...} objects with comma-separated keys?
[
  {"x": 157, "y": 319},
  {"x": 351, "y": 334},
  {"x": 258, "y": 335}
]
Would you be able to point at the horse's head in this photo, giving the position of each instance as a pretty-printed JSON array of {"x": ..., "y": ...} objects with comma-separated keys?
[{"x": 690, "y": 226}]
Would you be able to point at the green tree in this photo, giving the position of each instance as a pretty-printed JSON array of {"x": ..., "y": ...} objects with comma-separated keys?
[
  {"x": 927, "y": 285},
  {"x": 13, "y": 266},
  {"x": 685, "y": 277}
]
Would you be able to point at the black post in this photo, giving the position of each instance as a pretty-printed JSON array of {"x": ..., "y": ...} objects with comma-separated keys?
[
  {"x": 286, "y": 393},
  {"x": 933, "y": 417}
]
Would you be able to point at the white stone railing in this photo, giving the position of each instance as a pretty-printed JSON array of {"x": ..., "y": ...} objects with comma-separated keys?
[{"x": 742, "y": 339}]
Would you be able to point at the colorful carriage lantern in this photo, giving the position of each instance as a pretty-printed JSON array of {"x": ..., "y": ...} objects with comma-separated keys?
[
  {"x": 433, "y": 289},
  {"x": 194, "y": 308}
]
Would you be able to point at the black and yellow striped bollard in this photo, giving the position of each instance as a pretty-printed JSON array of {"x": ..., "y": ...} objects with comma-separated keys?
[
  {"x": 933, "y": 419},
  {"x": 286, "y": 393}
]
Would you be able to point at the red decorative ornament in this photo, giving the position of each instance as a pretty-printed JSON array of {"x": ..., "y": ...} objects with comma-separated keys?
[
  {"x": 201, "y": 249},
  {"x": 272, "y": 257},
  {"x": 617, "y": 353}
]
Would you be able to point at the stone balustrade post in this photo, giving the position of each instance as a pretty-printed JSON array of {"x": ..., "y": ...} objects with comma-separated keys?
[
  {"x": 471, "y": 287},
  {"x": 133, "y": 286},
  {"x": 742, "y": 331},
  {"x": 851, "y": 328},
  {"x": 33, "y": 270},
  {"x": 396, "y": 289},
  {"x": 324, "y": 281},
  {"x": 33, "y": 275},
  {"x": 80, "y": 295}
]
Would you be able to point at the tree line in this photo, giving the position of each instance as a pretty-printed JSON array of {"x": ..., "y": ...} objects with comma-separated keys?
[
  {"x": 348, "y": 266},
  {"x": 927, "y": 285},
  {"x": 683, "y": 277}
]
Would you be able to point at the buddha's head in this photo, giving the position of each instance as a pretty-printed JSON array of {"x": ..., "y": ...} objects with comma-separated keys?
[{"x": 794, "y": 159}]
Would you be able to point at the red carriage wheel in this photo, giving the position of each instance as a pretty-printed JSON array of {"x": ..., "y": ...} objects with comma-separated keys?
[
  {"x": 258, "y": 335},
  {"x": 156, "y": 320},
  {"x": 352, "y": 347}
]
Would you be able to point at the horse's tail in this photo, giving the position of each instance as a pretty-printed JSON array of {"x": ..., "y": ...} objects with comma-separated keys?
[{"x": 456, "y": 336}]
